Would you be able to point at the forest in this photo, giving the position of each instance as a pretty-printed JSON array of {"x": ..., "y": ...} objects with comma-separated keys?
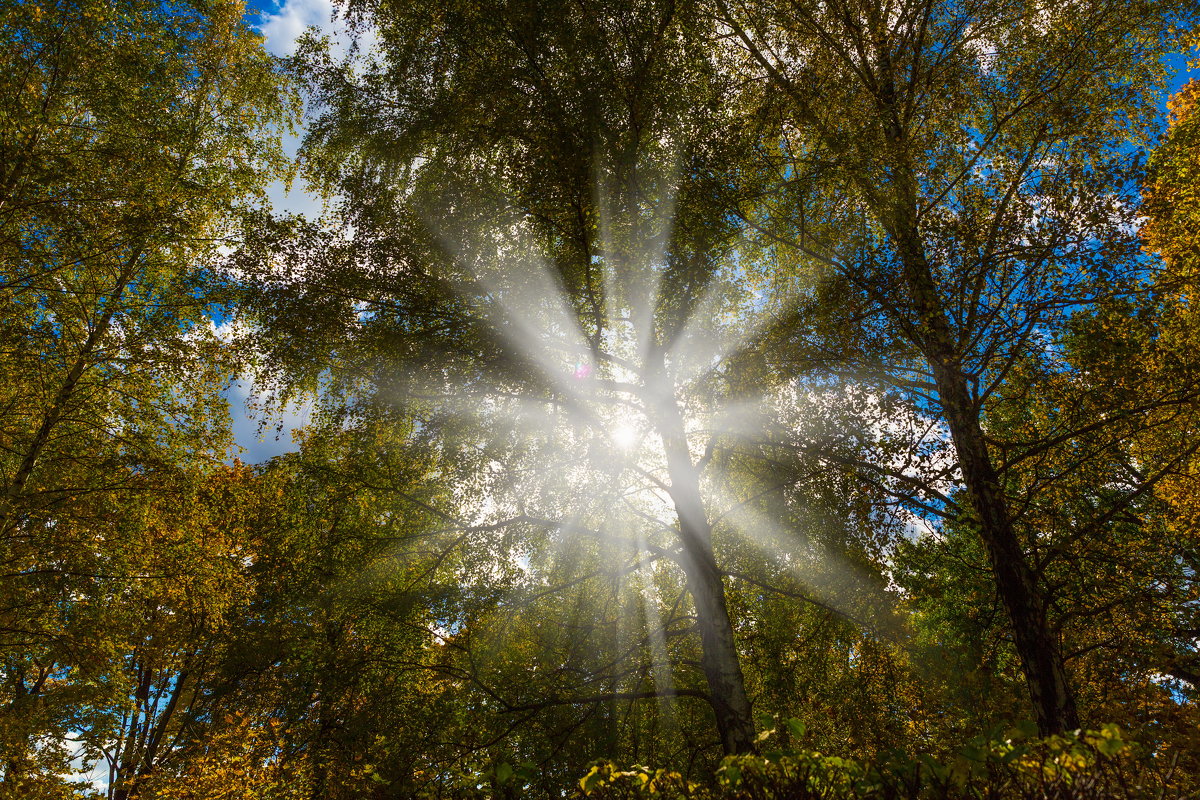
[{"x": 710, "y": 399}]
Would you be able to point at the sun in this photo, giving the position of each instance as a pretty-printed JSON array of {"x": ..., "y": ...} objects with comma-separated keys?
[{"x": 624, "y": 435}]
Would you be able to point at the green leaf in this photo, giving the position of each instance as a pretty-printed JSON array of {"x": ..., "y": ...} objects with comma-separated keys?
[
  {"x": 593, "y": 780},
  {"x": 795, "y": 728}
]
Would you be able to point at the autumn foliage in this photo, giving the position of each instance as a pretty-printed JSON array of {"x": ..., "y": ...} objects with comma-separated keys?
[{"x": 749, "y": 399}]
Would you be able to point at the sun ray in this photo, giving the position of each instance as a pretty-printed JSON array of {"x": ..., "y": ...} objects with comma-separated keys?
[
  {"x": 720, "y": 327},
  {"x": 824, "y": 576},
  {"x": 660, "y": 669},
  {"x": 637, "y": 213},
  {"x": 588, "y": 483},
  {"x": 500, "y": 268}
]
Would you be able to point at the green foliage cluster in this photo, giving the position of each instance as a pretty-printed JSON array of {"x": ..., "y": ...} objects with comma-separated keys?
[
  {"x": 1081, "y": 764},
  {"x": 1000, "y": 766}
]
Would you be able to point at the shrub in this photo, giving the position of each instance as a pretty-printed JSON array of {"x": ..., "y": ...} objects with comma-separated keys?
[{"x": 1083, "y": 765}]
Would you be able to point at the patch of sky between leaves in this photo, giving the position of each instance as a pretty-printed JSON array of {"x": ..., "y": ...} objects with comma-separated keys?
[{"x": 260, "y": 436}]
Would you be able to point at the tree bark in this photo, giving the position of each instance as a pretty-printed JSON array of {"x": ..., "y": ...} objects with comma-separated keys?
[{"x": 719, "y": 658}]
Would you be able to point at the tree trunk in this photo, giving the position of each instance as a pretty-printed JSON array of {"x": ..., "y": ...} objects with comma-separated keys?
[
  {"x": 894, "y": 201},
  {"x": 719, "y": 657},
  {"x": 1037, "y": 647},
  {"x": 1041, "y": 658}
]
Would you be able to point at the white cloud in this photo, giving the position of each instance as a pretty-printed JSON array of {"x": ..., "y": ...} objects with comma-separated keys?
[
  {"x": 296, "y": 198},
  {"x": 282, "y": 30},
  {"x": 262, "y": 434},
  {"x": 285, "y": 27},
  {"x": 93, "y": 773},
  {"x": 261, "y": 428}
]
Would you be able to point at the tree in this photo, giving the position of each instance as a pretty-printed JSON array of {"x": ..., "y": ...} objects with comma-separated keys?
[
  {"x": 530, "y": 192},
  {"x": 1169, "y": 197},
  {"x": 1171, "y": 209},
  {"x": 964, "y": 170},
  {"x": 184, "y": 589},
  {"x": 132, "y": 136}
]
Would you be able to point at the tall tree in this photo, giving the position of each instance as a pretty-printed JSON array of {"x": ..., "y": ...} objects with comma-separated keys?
[
  {"x": 530, "y": 191},
  {"x": 132, "y": 134},
  {"x": 1172, "y": 211},
  {"x": 966, "y": 169}
]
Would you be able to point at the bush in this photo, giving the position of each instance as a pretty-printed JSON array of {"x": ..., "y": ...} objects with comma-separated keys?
[{"x": 1078, "y": 766}]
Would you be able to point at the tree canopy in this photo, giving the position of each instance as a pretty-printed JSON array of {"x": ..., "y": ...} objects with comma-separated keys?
[{"x": 782, "y": 395}]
